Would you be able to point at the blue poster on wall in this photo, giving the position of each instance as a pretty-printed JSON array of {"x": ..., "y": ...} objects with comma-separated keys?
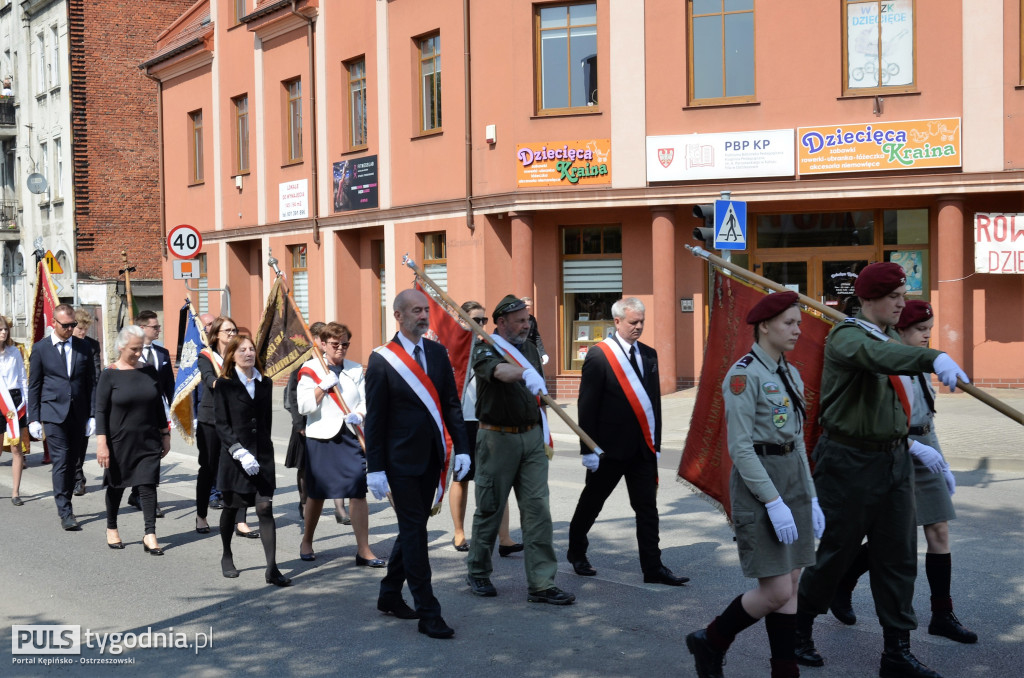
[{"x": 355, "y": 184}]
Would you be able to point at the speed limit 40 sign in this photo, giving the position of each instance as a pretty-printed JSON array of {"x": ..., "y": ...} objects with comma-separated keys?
[{"x": 184, "y": 241}]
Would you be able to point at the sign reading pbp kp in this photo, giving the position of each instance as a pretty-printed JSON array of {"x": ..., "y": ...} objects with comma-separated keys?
[{"x": 184, "y": 241}]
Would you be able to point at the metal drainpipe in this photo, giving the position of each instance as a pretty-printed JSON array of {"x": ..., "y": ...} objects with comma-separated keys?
[
  {"x": 469, "y": 115},
  {"x": 315, "y": 193}
]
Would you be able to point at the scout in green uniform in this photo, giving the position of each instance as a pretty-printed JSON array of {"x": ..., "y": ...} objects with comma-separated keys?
[
  {"x": 510, "y": 453},
  {"x": 863, "y": 472},
  {"x": 774, "y": 507},
  {"x": 932, "y": 496}
]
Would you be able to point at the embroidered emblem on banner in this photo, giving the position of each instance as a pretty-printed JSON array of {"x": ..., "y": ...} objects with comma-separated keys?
[
  {"x": 779, "y": 416},
  {"x": 737, "y": 383}
]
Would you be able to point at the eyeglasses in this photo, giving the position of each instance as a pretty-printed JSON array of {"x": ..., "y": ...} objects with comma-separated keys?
[
  {"x": 336, "y": 345},
  {"x": 152, "y": 327},
  {"x": 68, "y": 326},
  {"x": 230, "y": 333},
  {"x": 479, "y": 321}
]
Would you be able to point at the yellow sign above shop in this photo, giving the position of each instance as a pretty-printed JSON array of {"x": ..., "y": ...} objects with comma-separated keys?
[
  {"x": 564, "y": 163},
  {"x": 879, "y": 146}
]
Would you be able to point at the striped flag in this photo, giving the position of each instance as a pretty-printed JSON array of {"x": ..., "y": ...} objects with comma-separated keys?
[{"x": 188, "y": 375}]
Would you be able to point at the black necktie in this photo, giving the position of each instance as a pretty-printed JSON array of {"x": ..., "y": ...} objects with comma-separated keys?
[
  {"x": 632, "y": 361},
  {"x": 927, "y": 393},
  {"x": 63, "y": 356},
  {"x": 798, "y": 403},
  {"x": 152, "y": 357},
  {"x": 417, "y": 355}
]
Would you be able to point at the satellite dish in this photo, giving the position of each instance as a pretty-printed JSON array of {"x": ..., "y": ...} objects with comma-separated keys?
[{"x": 36, "y": 183}]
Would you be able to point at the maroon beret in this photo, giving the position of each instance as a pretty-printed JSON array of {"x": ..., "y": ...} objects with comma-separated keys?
[
  {"x": 879, "y": 279},
  {"x": 771, "y": 306},
  {"x": 916, "y": 311}
]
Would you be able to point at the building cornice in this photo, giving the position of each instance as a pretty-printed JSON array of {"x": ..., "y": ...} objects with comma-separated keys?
[{"x": 277, "y": 18}]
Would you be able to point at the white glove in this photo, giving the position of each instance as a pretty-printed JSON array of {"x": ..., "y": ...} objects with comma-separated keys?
[
  {"x": 90, "y": 427},
  {"x": 591, "y": 461},
  {"x": 354, "y": 418},
  {"x": 782, "y": 520},
  {"x": 544, "y": 359},
  {"x": 948, "y": 371},
  {"x": 950, "y": 480},
  {"x": 534, "y": 382},
  {"x": 328, "y": 382},
  {"x": 248, "y": 462},
  {"x": 929, "y": 457},
  {"x": 817, "y": 518},
  {"x": 377, "y": 483},
  {"x": 462, "y": 464},
  {"x": 35, "y": 429}
]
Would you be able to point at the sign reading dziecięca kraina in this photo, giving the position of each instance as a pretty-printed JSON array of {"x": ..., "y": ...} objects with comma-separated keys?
[
  {"x": 879, "y": 146},
  {"x": 564, "y": 163},
  {"x": 998, "y": 243}
]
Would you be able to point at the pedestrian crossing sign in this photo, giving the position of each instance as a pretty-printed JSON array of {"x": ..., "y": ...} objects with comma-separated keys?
[{"x": 730, "y": 225}]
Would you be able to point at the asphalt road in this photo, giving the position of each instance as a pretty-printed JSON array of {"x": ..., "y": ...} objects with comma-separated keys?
[{"x": 327, "y": 623}]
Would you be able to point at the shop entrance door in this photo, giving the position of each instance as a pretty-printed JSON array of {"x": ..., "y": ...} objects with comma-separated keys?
[{"x": 827, "y": 278}]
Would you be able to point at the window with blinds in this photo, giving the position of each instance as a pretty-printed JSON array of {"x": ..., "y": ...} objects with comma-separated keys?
[
  {"x": 300, "y": 278},
  {"x": 591, "y": 283}
]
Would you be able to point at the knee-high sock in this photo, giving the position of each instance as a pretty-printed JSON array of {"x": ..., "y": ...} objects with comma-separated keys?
[
  {"x": 781, "y": 635},
  {"x": 938, "y": 568},
  {"x": 725, "y": 627}
]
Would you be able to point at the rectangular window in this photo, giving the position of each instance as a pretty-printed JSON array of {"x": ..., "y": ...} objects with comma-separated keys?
[
  {"x": 241, "y": 105},
  {"x": 42, "y": 74},
  {"x": 435, "y": 258},
  {"x": 195, "y": 119},
  {"x": 878, "y": 46},
  {"x": 55, "y": 57},
  {"x": 58, "y": 174},
  {"x": 591, "y": 283},
  {"x": 300, "y": 278},
  {"x": 721, "y": 40},
  {"x": 430, "y": 83},
  {"x": 566, "y": 56},
  {"x": 240, "y": 10},
  {"x": 357, "y": 102},
  {"x": 204, "y": 284},
  {"x": 293, "y": 90}
]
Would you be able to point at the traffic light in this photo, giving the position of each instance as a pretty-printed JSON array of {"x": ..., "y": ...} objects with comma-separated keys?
[
  {"x": 706, "y": 212},
  {"x": 704, "y": 234}
]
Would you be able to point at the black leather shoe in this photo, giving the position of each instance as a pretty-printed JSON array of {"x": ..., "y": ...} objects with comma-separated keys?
[
  {"x": 897, "y": 661},
  {"x": 435, "y": 628},
  {"x": 842, "y": 607},
  {"x": 216, "y": 504},
  {"x": 805, "y": 652},
  {"x": 155, "y": 551},
  {"x": 159, "y": 512},
  {"x": 397, "y": 607},
  {"x": 370, "y": 562},
  {"x": 461, "y": 548},
  {"x": 80, "y": 488},
  {"x": 947, "y": 625},
  {"x": 665, "y": 576},
  {"x": 202, "y": 530},
  {"x": 481, "y": 586},
  {"x": 227, "y": 568},
  {"x": 17, "y": 501},
  {"x": 707, "y": 659},
  {"x": 133, "y": 501},
  {"x": 69, "y": 523},
  {"x": 251, "y": 534},
  {"x": 553, "y": 595},
  {"x": 278, "y": 579},
  {"x": 580, "y": 566},
  {"x": 506, "y": 551}
]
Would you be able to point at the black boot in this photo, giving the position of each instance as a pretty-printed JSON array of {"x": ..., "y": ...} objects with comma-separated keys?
[
  {"x": 805, "y": 652},
  {"x": 785, "y": 668},
  {"x": 842, "y": 607},
  {"x": 708, "y": 659},
  {"x": 947, "y": 625},
  {"x": 897, "y": 661}
]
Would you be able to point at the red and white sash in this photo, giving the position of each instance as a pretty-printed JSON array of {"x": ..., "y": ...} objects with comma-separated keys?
[
  {"x": 311, "y": 372},
  {"x": 214, "y": 357},
  {"x": 413, "y": 375},
  {"x": 11, "y": 413},
  {"x": 521, "y": 360},
  {"x": 631, "y": 387}
]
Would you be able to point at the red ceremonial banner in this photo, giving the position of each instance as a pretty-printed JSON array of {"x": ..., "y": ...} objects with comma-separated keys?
[
  {"x": 706, "y": 463},
  {"x": 447, "y": 331},
  {"x": 45, "y": 301}
]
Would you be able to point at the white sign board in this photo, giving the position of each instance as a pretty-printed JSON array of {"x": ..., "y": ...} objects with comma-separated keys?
[
  {"x": 293, "y": 200},
  {"x": 998, "y": 243},
  {"x": 729, "y": 155},
  {"x": 185, "y": 270}
]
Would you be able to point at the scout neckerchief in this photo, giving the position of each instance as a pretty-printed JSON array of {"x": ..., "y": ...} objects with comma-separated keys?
[
  {"x": 629, "y": 381},
  {"x": 11, "y": 413},
  {"x": 413, "y": 375},
  {"x": 214, "y": 357},
  {"x": 521, "y": 360},
  {"x": 897, "y": 381}
]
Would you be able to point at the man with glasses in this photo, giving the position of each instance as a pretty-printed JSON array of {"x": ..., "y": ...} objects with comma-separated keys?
[
  {"x": 61, "y": 398},
  {"x": 160, "y": 358}
]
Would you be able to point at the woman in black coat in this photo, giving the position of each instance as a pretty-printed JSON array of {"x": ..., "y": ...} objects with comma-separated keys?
[{"x": 243, "y": 408}]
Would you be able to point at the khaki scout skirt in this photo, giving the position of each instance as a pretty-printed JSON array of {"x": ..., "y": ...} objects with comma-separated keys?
[
  {"x": 934, "y": 505},
  {"x": 761, "y": 552}
]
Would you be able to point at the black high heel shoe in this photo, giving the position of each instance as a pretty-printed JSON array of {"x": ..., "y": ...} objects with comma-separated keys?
[
  {"x": 202, "y": 530},
  {"x": 251, "y": 534},
  {"x": 155, "y": 551},
  {"x": 278, "y": 579}
]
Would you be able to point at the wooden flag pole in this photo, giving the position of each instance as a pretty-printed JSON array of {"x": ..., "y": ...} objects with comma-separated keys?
[
  {"x": 195, "y": 319},
  {"x": 833, "y": 314},
  {"x": 128, "y": 270},
  {"x": 471, "y": 324}
]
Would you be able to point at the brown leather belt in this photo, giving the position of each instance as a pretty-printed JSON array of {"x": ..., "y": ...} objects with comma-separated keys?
[
  {"x": 920, "y": 430},
  {"x": 866, "y": 445},
  {"x": 506, "y": 429},
  {"x": 763, "y": 449}
]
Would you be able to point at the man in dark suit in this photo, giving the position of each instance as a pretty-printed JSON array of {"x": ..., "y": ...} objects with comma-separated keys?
[
  {"x": 620, "y": 407},
  {"x": 409, "y": 382},
  {"x": 61, "y": 396},
  {"x": 160, "y": 358},
  {"x": 84, "y": 319}
]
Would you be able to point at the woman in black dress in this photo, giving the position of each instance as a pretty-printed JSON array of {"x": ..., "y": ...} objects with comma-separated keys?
[
  {"x": 243, "y": 408},
  {"x": 132, "y": 435}
]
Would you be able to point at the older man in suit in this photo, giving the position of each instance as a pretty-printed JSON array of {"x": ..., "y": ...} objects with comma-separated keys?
[
  {"x": 61, "y": 396},
  {"x": 410, "y": 390},
  {"x": 620, "y": 407}
]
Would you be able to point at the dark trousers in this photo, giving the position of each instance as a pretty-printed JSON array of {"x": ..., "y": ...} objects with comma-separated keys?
[
  {"x": 641, "y": 476},
  {"x": 865, "y": 494},
  {"x": 147, "y": 500},
  {"x": 65, "y": 442},
  {"x": 209, "y": 461},
  {"x": 80, "y": 462},
  {"x": 413, "y": 497}
]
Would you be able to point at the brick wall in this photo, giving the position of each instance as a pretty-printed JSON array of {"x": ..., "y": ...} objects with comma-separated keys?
[{"x": 115, "y": 148}]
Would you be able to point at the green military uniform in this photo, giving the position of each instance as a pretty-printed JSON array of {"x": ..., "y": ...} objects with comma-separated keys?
[
  {"x": 931, "y": 496},
  {"x": 766, "y": 444},
  {"x": 863, "y": 471},
  {"x": 513, "y": 457}
]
